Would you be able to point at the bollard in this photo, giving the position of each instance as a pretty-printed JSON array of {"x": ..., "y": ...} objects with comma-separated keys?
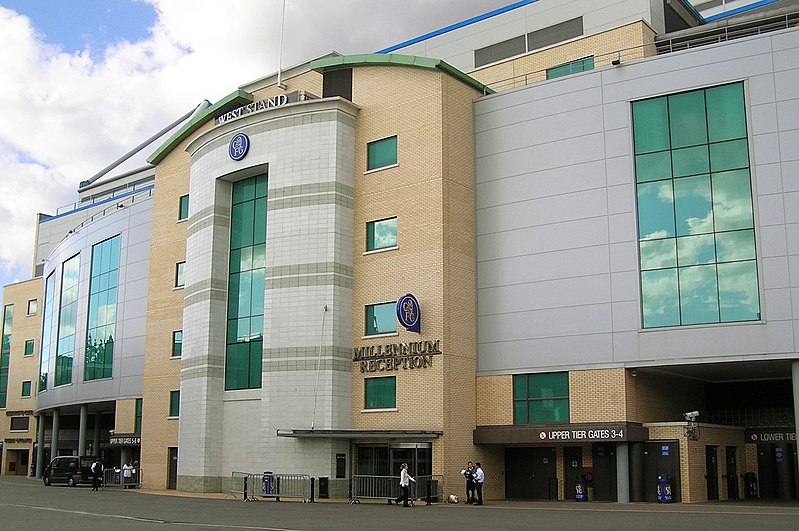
[
  {"x": 429, "y": 489},
  {"x": 245, "y": 488},
  {"x": 312, "y": 484}
]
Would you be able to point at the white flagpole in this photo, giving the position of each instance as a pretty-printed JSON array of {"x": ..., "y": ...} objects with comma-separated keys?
[{"x": 280, "y": 49}]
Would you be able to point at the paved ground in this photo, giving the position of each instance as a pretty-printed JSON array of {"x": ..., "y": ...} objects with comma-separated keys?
[{"x": 27, "y": 504}]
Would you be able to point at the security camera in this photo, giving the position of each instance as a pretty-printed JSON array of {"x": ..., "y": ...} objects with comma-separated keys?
[{"x": 691, "y": 415}]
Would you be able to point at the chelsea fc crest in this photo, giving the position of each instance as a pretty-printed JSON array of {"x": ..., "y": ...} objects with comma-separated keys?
[
  {"x": 239, "y": 146},
  {"x": 408, "y": 313}
]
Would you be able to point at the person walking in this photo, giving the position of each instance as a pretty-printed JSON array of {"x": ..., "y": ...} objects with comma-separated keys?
[
  {"x": 468, "y": 473},
  {"x": 404, "y": 482},
  {"x": 97, "y": 474},
  {"x": 127, "y": 475},
  {"x": 479, "y": 478}
]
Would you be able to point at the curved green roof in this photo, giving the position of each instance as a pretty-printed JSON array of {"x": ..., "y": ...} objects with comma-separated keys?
[
  {"x": 391, "y": 59},
  {"x": 231, "y": 101}
]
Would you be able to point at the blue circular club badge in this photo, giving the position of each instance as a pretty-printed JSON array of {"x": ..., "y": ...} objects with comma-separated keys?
[
  {"x": 239, "y": 146},
  {"x": 408, "y": 313}
]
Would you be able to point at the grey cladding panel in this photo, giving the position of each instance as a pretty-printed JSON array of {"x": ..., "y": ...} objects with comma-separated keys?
[
  {"x": 499, "y": 51},
  {"x": 555, "y": 34}
]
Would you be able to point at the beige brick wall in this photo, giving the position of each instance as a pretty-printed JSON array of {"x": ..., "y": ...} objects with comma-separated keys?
[
  {"x": 21, "y": 368},
  {"x": 125, "y": 416},
  {"x": 658, "y": 397},
  {"x": 308, "y": 81},
  {"x": 628, "y": 42},
  {"x": 597, "y": 396},
  {"x": 494, "y": 400}
]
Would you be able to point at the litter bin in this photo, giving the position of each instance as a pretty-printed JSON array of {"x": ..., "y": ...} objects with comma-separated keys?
[
  {"x": 267, "y": 483},
  {"x": 580, "y": 489},
  {"x": 664, "y": 489},
  {"x": 324, "y": 487},
  {"x": 750, "y": 485}
]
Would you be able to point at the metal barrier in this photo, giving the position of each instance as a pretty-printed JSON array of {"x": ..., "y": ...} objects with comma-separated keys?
[
  {"x": 270, "y": 485},
  {"x": 427, "y": 488},
  {"x": 116, "y": 478}
]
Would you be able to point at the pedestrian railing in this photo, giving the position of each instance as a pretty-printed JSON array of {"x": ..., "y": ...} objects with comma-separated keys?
[
  {"x": 251, "y": 486},
  {"x": 117, "y": 478},
  {"x": 426, "y": 488}
]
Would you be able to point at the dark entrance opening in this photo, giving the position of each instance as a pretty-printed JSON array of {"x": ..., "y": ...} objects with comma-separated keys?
[
  {"x": 776, "y": 466},
  {"x": 528, "y": 472},
  {"x": 731, "y": 474},
  {"x": 604, "y": 455},
  {"x": 572, "y": 468},
  {"x": 712, "y": 472},
  {"x": 172, "y": 479},
  {"x": 649, "y": 461}
]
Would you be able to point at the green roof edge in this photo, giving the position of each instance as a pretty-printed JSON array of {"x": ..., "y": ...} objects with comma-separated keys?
[
  {"x": 348, "y": 61},
  {"x": 234, "y": 99}
]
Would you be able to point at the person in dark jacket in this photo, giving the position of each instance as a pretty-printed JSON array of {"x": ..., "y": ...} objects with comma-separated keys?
[{"x": 97, "y": 474}]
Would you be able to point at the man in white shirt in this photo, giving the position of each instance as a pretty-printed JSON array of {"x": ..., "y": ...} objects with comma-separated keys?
[{"x": 479, "y": 477}]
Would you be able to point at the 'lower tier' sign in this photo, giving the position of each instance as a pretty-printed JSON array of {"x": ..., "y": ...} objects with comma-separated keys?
[{"x": 615, "y": 433}]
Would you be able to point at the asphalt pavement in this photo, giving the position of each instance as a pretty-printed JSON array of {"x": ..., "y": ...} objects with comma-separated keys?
[{"x": 28, "y": 504}]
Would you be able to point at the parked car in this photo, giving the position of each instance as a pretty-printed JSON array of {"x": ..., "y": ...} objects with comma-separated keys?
[{"x": 69, "y": 469}]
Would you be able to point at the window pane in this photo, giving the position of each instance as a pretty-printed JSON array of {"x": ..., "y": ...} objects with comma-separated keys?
[
  {"x": 183, "y": 209},
  {"x": 237, "y": 366},
  {"x": 734, "y": 246},
  {"x": 554, "y": 385},
  {"x": 259, "y": 221},
  {"x": 693, "y": 206},
  {"x": 726, "y": 119},
  {"x": 381, "y": 153},
  {"x": 26, "y": 388},
  {"x": 698, "y": 299},
  {"x": 653, "y": 166},
  {"x": 732, "y": 200},
  {"x": 655, "y": 210},
  {"x": 179, "y": 274},
  {"x": 687, "y": 119},
  {"x": 381, "y": 234},
  {"x": 730, "y": 155},
  {"x": 256, "y": 357},
  {"x": 658, "y": 254},
  {"x": 690, "y": 161},
  {"x": 174, "y": 403},
  {"x": 177, "y": 343},
  {"x": 651, "y": 125},
  {"x": 381, "y": 318},
  {"x": 243, "y": 217},
  {"x": 696, "y": 250},
  {"x": 659, "y": 292},
  {"x": 380, "y": 392},
  {"x": 738, "y": 295},
  {"x": 29, "y": 347},
  {"x": 549, "y": 411},
  {"x": 520, "y": 412},
  {"x": 519, "y": 386},
  {"x": 244, "y": 191}
]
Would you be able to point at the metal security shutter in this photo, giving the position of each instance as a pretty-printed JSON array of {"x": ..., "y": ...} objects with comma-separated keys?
[
  {"x": 555, "y": 34},
  {"x": 499, "y": 51}
]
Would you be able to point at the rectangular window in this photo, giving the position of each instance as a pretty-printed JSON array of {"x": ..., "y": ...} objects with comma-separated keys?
[
  {"x": 381, "y": 234},
  {"x": 183, "y": 208},
  {"x": 68, "y": 320},
  {"x": 47, "y": 331},
  {"x": 541, "y": 398},
  {"x": 20, "y": 423},
  {"x": 26, "y": 388},
  {"x": 696, "y": 232},
  {"x": 246, "y": 288},
  {"x": 180, "y": 271},
  {"x": 174, "y": 403},
  {"x": 137, "y": 421},
  {"x": 5, "y": 352},
  {"x": 580, "y": 65},
  {"x": 30, "y": 345},
  {"x": 380, "y": 393},
  {"x": 177, "y": 343},
  {"x": 33, "y": 306},
  {"x": 381, "y": 318},
  {"x": 381, "y": 153},
  {"x": 102, "y": 319}
]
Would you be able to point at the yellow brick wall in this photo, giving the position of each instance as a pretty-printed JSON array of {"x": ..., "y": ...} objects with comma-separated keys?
[
  {"x": 626, "y": 42},
  {"x": 597, "y": 396},
  {"x": 308, "y": 81},
  {"x": 21, "y": 368},
  {"x": 658, "y": 397},
  {"x": 494, "y": 400},
  {"x": 125, "y": 416}
]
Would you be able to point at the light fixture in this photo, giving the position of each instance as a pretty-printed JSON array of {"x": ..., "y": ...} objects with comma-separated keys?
[
  {"x": 633, "y": 373},
  {"x": 616, "y": 61}
]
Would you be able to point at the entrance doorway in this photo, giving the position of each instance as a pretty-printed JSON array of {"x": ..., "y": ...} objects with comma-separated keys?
[
  {"x": 712, "y": 472},
  {"x": 572, "y": 470},
  {"x": 604, "y": 455},
  {"x": 731, "y": 474},
  {"x": 531, "y": 473},
  {"x": 777, "y": 470},
  {"x": 172, "y": 480}
]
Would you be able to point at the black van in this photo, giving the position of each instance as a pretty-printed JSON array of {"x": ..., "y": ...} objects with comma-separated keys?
[{"x": 69, "y": 469}]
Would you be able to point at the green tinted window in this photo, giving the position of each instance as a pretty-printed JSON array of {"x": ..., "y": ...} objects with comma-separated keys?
[
  {"x": 180, "y": 274},
  {"x": 381, "y": 153},
  {"x": 68, "y": 319},
  {"x": 580, "y": 65},
  {"x": 47, "y": 328},
  {"x": 183, "y": 208},
  {"x": 100, "y": 329},
  {"x": 695, "y": 214},
  {"x": 29, "y": 346},
  {"x": 26, "y": 388},
  {"x": 381, "y": 234},
  {"x": 540, "y": 398},
  {"x": 5, "y": 352},
  {"x": 381, "y": 318},
  {"x": 174, "y": 403},
  {"x": 177, "y": 344},
  {"x": 246, "y": 285},
  {"x": 380, "y": 393},
  {"x": 137, "y": 421}
]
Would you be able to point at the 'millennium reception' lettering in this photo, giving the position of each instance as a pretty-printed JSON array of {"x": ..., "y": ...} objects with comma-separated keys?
[{"x": 396, "y": 356}]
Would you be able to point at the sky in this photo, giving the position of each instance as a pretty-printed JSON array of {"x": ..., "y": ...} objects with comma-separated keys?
[{"x": 84, "y": 81}]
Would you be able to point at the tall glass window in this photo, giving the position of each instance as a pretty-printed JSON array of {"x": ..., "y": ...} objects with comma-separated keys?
[
  {"x": 381, "y": 153},
  {"x": 245, "y": 313},
  {"x": 177, "y": 343},
  {"x": 174, "y": 403},
  {"x": 183, "y": 207},
  {"x": 381, "y": 234},
  {"x": 381, "y": 318},
  {"x": 540, "y": 398},
  {"x": 137, "y": 421},
  {"x": 67, "y": 321},
  {"x": 695, "y": 217},
  {"x": 47, "y": 331},
  {"x": 5, "y": 352},
  {"x": 101, "y": 325}
]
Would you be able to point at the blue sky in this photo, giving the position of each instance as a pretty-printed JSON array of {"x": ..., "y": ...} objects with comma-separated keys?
[
  {"x": 92, "y": 24},
  {"x": 86, "y": 80}
]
